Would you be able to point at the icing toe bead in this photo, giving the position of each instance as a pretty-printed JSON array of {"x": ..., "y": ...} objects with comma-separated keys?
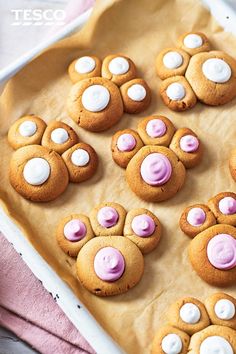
[
  {"x": 227, "y": 205},
  {"x": 80, "y": 157},
  {"x": 189, "y": 143},
  {"x": 176, "y": 91},
  {"x": 190, "y": 313},
  {"x": 143, "y": 225},
  {"x": 126, "y": 142},
  {"x": 172, "y": 60},
  {"x": 27, "y": 128},
  {"x": 224, "y": 309},
  {"x": 118, "y": 66},
  {"x": 75, "y": 230},
  {"x": 136, "y": 92},
  {"x": 193, "y": 41},
  {"x": 136, "y": 96},
  {"x": 155, "y": 128},
  {"x": 107, "y": 217},
  {"x": 109, "y": 264},
  {"x": 172, "y": 344},
  {"x": 196, "y": 217},
  {"x": 85, "y": 65},
  {"x": 119, "y": 69},
  {"x": 59, "y": 136}
]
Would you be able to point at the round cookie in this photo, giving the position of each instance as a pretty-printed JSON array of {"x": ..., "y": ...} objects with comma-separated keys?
[
  {"x": 212, "y": 254},
  {"x": 222, "y": 309},
  {"x": 156, "y": 130},
  {"x": 37, "y": 173},
  {"x": 232, "y": 164},
  {"x": 177, "y": 94},
  {"x": 212, "y": 76},
  {"x": 195, "y": 219},
  {"x": 118, "y": 68},
  {"x": 124, "y": 145},
  {"x": 155, "y": 174},
  {"x": 143, "y": 228},
  {"x": 73, "y": 232},
  {"x": 81, "y": 161},
  {"x": 193, "y": 43},
  {"x": 170, "y": 340},
  {"x": 171, "y": 62},
  {"x": 59, "y": 137},
  {"x": 223, "y": 206},
  {"x": 95, "y": 104},
  {"x": 84, "y": 67},
  {"x": 136, "y": 96},
  {"x": 27, "y": 130},
  {"x": 107, "y": 219},
  {"x": 109, "y": 265},
  {"x": 187, "y": 146},
  {"x": 189, "y": 315}
]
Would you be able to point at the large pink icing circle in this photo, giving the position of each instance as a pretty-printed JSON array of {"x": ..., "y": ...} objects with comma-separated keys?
[
  {"x": 189, "y": 143},
  {"x": 196, "y": 216},
  {"x": 156, "y": 128},
  {"x": 109, "y": 264},
  {"x": 107, "y": 217},
  {"x": 156, "y": 169},
  {"x": 227, "y": 206},
  {"x": 221, "y": 251},
  {"x": 143, "y": 225},
  {"x": 75, "y": 230},
  {"x": 126, "y": 142}
]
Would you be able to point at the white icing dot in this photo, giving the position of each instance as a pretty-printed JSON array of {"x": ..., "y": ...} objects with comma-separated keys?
[
  {"x": 80, "y": 157},
  {"x": 95, "y": 98},
  {"x": 176, "y": 91},
  {"x": 59, "y": 136},
  {"x": 216, "y": 70},
  {"x": 224, "y": 309},
  {"x": 36, "y": 171},
  {"x": 190, "y": 313},
  {"x": 216, "y": 345},
  {"x": 85, "y": 65},
  {"x": 136, "y": 92},
  {"x": 118, "y": 66},
  {"x": 172, "y": 60},
  {"x": 193, "y": 41},
  {"x": 171, "y": 344},
  {"x": 27, "y": 128}
]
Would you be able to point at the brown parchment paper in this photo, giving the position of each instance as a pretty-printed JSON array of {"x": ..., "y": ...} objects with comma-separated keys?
[{"x": 139, "y": 29}]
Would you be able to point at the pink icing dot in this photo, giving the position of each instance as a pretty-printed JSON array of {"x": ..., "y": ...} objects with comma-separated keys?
[
  {"x": 126, "y": 142},
  {"x": 107, "y": 217},
  {"x": 109, "y": 264},
  {"x": 227, "y": 206},
  {"x": 156, "y": 128},
  {"x": 156, "y": 169},
  {"x": 75, "y": 230},
  {"x": 196, "y": 216},
  {"x": 221, "y": 251},
  {"x": 189, "y": 143},
  {"x": 143, "y": 225}
]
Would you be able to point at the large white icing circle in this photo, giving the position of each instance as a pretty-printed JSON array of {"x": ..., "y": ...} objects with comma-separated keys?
[
  {"x": 137, "y": 92},
  {"x": 59, "y": 135},
  {"x": 216, "y": 345},
  {"x": 85, "y": 65},
  {"x": 224, "y": 309},
  {"x": 190, "y": 313},
  {"x": 95, "y": 98},
  {"x": 172, "y": 60},
  {"x": 176, "y": 91},
  {"x": 80, "y": 157},
  {"x": 216, "y": 70},
  {"x": 36, "y": 171},
  {"x": 118, "y": 66},
  {"x": 27, "y": 128},
  {"x": 193, "y": 41},
  {"x": 172, "y": 344}
]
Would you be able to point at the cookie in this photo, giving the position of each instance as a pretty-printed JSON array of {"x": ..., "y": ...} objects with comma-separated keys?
[
  {"x": 195, "y": 219},
  {"x": 27, "y": 130},
  {"x": 143, "y": 228},
  {"x": 189, "y": 315},
  {"x": 95, "y": 104},
  {"x": 177, "y": 94},
  {"x": 107, "y": 219},
  {"x": 118, "y": 68},
  {"x": 212, "y": 254},
  {"x": 222, "y": 309},
  {"x": 223, "y": 205},
  {"x": 136, "y": 96},
  {"x": 156, "y": 130},
  {"x": 109, "y": 265},
  {"x": 170, "y": 340},
  {"x": 124, "y": 145},
  {"x": 193, "y": 42},
  {"x": 73, "y": 232},
  {"x": 187, "y": 146},
  {"x": 59, "y": 137},
  {"x": 212, "y": 77},
  {"x": 171, "y": 62},
  {"x": 155, "y": 174},
  {"x": 38, "y": 173},
  {"x": 232, "y": 164},
  {"x": 84, "y": 68},
  {"x": 81, "y": 161}
]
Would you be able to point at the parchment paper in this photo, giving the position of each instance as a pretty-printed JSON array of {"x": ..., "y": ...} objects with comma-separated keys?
[{"x": 139, "y": 29}]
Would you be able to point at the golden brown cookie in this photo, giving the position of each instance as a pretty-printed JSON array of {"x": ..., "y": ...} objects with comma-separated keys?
[
  {"x": 213, "y": 255},
  {"x": 107, "y": 219},
  {"x": 38, "y": 173},
  {"x": 84, "y": 68},
  {"x": 73, "y": 232},
  {"x": 95, "y": 104},
  {"x": 118, "y": 68},
  {"x": 170, "y": 340},
  {"x": 109, "y": 265},
  {"x": 156, "y": 130},
  {"x": 177, "y": 94},
  {"x": 124, "y": 145},
  {"x": 187, "y": 146},
  {"x": 223, "y": 206},
  {"x": 193, "y": 42},
  {"x": 59, "y": 137},
  {"x": 195, "y": 219},
  {"x": 212, "y": 76},
  {"x": 171, "y": 62},
  {"x": 27, "y": 130},
  {"x": 81, "y": 161},
  {"x": 189, "y": 315},
  {"x": 143, "y": 228},
  {"x": 136, "y": 96},
  {"x": 232, "y": 164},
  {"x": 222, "y": 309},
  {"x": 155, "y": 174}
]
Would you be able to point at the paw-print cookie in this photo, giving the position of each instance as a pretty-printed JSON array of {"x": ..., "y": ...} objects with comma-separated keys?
[
  {"x": 38, "y": 172},
  {"x": 156, "y": 172},
  {"x": 232, "y": 164},
  {"x": 109, "y": 244},
  {"x": 102, "y": 93}
]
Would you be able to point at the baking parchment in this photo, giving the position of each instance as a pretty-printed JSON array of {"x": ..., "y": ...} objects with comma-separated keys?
[{"x": 139, "y": 29}]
